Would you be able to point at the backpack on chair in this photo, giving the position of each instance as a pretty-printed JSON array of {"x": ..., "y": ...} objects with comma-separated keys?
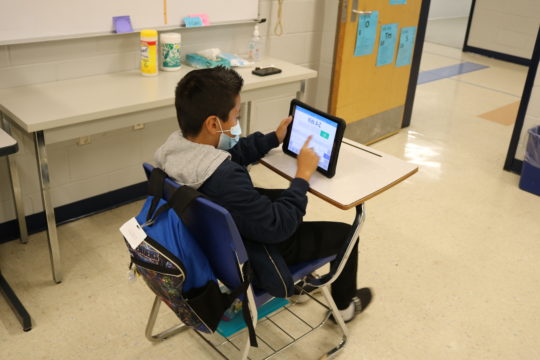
[{"x": 169, "y": 259}]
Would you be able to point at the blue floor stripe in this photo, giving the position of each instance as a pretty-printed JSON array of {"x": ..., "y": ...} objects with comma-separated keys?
[{"x": 448, "y": 71}]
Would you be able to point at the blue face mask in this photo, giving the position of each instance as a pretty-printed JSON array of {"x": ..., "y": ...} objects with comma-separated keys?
[{"x": 226, "y": 142}]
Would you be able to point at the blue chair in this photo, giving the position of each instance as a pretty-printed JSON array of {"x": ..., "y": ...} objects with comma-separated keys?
[{"x": 221, "y": 242}]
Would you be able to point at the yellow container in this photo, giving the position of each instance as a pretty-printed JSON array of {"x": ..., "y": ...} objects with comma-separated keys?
[{"x": 149, "y": 52}]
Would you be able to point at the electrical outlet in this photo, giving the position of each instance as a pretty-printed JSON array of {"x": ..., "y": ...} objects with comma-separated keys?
[
  {"x": 84, "y": 140},
  {"x": 138, "y": 126}
]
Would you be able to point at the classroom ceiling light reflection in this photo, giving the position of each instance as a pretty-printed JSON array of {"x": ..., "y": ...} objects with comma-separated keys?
[{"x": 422, "y": 155}]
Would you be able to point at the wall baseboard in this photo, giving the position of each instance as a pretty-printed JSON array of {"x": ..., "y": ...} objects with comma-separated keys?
[
  {"x": 70, "y": 212},
  {"x": 497, "y": 55}
]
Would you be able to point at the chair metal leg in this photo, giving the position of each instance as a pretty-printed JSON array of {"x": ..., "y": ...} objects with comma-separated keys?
[
  {"x": 43, "y": 170},
  {"x": 152, "y": 321},
  {"x": 337, "y": 316},
  {"x": 16, "y": 305}
]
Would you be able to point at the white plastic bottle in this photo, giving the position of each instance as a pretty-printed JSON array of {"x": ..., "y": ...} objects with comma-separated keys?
[
  {"x": 170, "y": 51},
  {"x": 255, "y": 45}
]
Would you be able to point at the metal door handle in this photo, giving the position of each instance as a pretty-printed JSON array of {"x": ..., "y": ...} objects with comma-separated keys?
[{"x": 362, "y": 12}]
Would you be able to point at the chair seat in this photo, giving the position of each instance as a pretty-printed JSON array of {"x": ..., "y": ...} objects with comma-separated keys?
[{"x": 298, "y": 272}]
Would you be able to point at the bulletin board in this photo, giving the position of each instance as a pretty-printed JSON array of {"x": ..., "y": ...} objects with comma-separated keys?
[{"x": 30, "y": 20}]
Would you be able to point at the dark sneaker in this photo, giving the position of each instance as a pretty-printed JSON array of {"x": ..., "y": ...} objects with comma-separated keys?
[{"x": 361, "y": 301}]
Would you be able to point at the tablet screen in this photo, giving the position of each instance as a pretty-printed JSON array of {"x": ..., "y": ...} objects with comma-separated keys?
[{"x": 323, "y": 133}]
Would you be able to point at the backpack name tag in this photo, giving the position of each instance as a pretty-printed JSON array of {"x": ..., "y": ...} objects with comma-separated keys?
[{"x": 133, "y": 232}]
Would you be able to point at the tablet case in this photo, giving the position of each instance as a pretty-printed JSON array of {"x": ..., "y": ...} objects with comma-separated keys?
[{"x": 337, "y": 140}]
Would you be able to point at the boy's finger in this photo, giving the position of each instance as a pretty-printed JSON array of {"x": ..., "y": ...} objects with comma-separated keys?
[
  {"x": 308, "y": 140},
  {"x": 286, "y": 121}
]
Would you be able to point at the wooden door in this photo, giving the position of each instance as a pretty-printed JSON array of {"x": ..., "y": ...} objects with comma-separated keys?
[{"x": 370, "y": 96}]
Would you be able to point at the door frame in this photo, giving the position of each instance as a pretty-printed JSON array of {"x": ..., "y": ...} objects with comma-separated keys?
[{"x": 415, "y": 64}]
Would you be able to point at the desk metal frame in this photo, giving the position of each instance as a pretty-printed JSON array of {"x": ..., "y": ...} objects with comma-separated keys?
[
  {"x": 16, "y": 188},
  {"x": 5, "y": 289}
]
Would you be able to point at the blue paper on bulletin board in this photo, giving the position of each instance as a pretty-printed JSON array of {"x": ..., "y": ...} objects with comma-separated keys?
[
  {"x": 366, "y": 34},
  {"x": 387, "y": 44},
  {"x": 398, "y": 2},
  {"x": 406, "y": 45}
]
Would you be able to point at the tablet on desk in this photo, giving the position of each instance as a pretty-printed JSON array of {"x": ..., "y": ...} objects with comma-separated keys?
[{"x": 326, "y": 131}]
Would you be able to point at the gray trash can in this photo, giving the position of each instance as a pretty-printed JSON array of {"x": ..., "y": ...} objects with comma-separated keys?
[{"x": 530, "y": 172}]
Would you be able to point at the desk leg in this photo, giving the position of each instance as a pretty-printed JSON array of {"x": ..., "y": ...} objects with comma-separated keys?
[
  {"x": 16, "y": 306},
  {"x": 301, "y": 94},
  {"x": 247, "y": 115},
  {"x": 344, "y": 253},
  {"x": 16, "y": 188},
  {"x": 43, "y": 169},
  {"x": 354, "y": 236},
  {"x": 17, "y": 197}
]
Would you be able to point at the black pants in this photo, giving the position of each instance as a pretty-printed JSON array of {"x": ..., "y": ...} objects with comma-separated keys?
[{"x": 319, "y": 239}]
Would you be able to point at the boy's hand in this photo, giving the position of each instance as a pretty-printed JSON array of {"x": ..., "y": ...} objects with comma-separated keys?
[
  {"x": 306, "y": 161},
  {"x": 281, "y": 130}
]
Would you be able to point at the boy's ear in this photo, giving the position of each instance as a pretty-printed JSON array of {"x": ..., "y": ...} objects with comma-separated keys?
[{"x": 211, "y": 125}]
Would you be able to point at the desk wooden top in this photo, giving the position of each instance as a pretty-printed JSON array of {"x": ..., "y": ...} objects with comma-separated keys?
[
  {"x": 68, "y": 102},
  {"x": 361, "y": 173},
  {"x": 8, "y": 145}
]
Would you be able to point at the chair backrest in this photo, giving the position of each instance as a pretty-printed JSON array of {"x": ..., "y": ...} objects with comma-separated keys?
[{"x": 214, "y": 228}]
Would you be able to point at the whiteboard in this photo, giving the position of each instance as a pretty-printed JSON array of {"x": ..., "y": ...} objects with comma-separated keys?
[{"x": 45, "y": 19}]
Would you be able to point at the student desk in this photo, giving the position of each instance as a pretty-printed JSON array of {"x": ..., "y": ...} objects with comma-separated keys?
[
  {"x": 64, "y": 110},
  {"x": 361, "y": 174},
  {"x": 9, "y": 146}
]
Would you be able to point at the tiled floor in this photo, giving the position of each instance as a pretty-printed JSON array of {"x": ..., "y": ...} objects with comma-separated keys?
[{"x": 451, "y": 253}]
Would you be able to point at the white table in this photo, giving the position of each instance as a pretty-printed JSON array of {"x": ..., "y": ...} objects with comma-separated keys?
[{"x": 68, "y": 109}]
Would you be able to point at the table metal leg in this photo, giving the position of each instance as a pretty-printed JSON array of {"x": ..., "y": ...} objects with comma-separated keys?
[
  {"x": 301, "y": 94},
  {"x": 17, "y": 197},
  {"x": 16, "y": 306},
  {"x": 43, "y": 169},
  {"x": 16, "y": 188}
]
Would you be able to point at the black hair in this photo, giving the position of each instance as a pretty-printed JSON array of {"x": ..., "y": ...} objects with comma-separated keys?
[{"x": 203, "y": 93}]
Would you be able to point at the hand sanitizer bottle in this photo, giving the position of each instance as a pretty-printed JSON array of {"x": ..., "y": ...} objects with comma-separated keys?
[{"x": 254, "y": 46}]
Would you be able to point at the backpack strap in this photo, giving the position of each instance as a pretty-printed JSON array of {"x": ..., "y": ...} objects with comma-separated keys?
[
  {"x": 182, "y": 199},
  {"x": 179, "y": 202},
  {"x": 242, "y": 290},
  {"x": 155, "y": 189}
]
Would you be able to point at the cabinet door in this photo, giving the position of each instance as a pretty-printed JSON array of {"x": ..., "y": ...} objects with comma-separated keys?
[
  {"x": 267, "y": 114},
  {"x": 265, "y": 108}
]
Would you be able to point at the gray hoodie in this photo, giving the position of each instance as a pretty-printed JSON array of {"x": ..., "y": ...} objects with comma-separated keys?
[{"x": 188, "y": 163}]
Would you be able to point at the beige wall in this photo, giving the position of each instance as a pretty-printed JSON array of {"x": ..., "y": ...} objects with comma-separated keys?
[
  {"x": 508, "y": 27},
  {"x": 113, "y": 159}
]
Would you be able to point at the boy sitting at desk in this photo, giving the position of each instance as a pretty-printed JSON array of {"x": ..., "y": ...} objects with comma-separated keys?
[{"x": 208, "y": 155}]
